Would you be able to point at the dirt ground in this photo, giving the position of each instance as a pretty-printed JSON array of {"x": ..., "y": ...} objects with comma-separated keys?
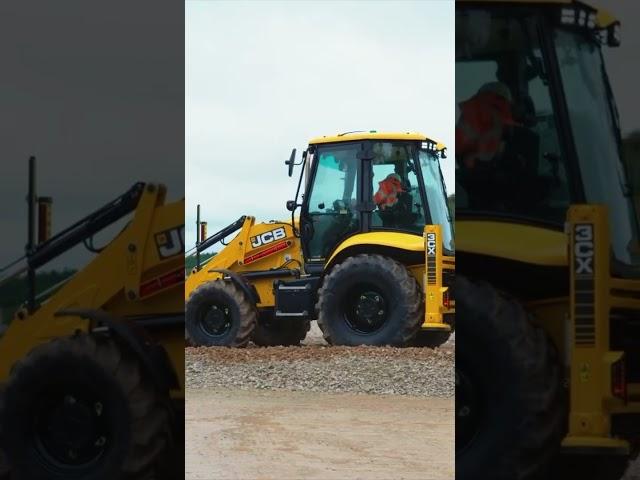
[
  {"x": 634, "y": 471},
  {"x": 260, "y": 435}
]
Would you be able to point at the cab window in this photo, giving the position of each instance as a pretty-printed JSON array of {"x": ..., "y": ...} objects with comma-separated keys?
[{"x": 395, "y": 187}]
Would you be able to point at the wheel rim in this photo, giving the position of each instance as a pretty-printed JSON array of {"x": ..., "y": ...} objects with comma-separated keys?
[
  {"x": 215, "y": 320},
  {"x": 71, "y": 429},
  {"x": 365, "y": 309},
  {"x": 468, "y": 411}
]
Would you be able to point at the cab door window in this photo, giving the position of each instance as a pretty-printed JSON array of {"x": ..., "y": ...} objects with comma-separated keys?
[
  {"x": 395, "y": 187},
  {"x": 331, "y": 208}
]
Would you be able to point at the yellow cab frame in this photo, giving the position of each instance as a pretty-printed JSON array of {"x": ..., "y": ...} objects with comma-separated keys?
[{"x": 598, "y": 299}]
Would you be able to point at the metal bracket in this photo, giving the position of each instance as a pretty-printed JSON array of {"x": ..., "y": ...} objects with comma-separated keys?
[{"x": 156, "y": 364}]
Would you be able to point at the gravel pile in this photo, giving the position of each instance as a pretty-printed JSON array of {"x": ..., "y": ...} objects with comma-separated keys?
[{"x": 320, "y": 368}]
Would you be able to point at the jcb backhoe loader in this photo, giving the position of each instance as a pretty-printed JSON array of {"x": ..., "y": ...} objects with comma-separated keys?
[
  {"x": 371, "y": 256},
  {"x": 548, "y": 285},
  {"x": 93, "y": 373}
]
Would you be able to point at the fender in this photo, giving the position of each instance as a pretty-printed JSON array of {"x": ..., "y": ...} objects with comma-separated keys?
[
  {"x": 153, "y": 358},
  {"x": 236, "y": 278},
  {"x": 519, "y": 242},
  {"x": 412, "y": 243}
]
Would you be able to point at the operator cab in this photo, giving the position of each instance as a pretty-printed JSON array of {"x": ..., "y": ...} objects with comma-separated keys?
[
  {"x": 369, "y": 181},
  {"x": 537, "y": 127}
]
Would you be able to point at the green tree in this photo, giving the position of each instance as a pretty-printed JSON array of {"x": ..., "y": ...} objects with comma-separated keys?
[
  {"x": 190, "y": 261},
  {"x": 14, "y": 292}
]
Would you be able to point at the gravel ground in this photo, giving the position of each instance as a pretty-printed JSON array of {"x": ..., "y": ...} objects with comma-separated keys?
[
  {"x": 316, "y": 367},
  {"x": 634, "y": 471},
  {"x": 409, "y": 371}
]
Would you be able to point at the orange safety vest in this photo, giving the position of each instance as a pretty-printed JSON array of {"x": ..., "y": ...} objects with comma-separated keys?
[
  {"x": 480, "y": 128},
  {"x": 388, "y": 190}
]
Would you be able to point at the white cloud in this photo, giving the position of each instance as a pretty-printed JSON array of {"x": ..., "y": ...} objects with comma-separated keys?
[{"x": 264, "y": 77}]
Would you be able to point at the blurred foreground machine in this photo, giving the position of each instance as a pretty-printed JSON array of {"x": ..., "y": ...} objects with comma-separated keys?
[
  {"x": 93, "y": 372},
  {"x": 371, "y": 256},
  {"x": 548, "y": 343}
]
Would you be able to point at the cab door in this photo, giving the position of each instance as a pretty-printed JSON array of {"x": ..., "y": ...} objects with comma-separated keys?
[{"x": 331, "y": 209}]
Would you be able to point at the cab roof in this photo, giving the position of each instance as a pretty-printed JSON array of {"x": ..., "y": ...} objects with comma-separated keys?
[
  {"x": 604, "y": 19},
  {"x": 374, "y": 135}
]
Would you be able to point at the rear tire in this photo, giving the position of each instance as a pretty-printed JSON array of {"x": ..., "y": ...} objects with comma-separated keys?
[
  {"x": 271, "y": 332},
  {"x": 370, "y": 300},
  {"x": 510, "y": 405},
  {"x": 5, "y": 469},
  {"x": 219, "y": 313},
  {"x": 82, "y": 408}
]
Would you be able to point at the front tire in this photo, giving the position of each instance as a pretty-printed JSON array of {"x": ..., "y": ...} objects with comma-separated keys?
[
  {"x": 370, "y": 300},
  {"x": 590, "y": 467},
  {"x": 219, "y": 313},
  {"x": 5, "y": 468},
  {"x": 510, "y": 406},
  {"x": 82, "y": 408}
]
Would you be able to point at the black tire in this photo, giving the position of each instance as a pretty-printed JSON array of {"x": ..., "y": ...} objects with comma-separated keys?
[
  {"x": 219, "y": 314},
  {"x": 5, "y": 469},
  {"x": 430, "y": 339},
  {"x": 354, "y": 294},
  {"x": 590, "y": 467},
  {"x": 88, "y": 385},
  {"x": 272, "y": 332},
  {"x": 510, "y": 404},
  {"x": 171, "y": 465}
]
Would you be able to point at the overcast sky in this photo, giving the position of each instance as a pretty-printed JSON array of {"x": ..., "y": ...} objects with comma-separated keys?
[
  {"x": 264, "y": 77},
  {"x": 622, "y": 62},
  {"x": 96, "y": 93}
]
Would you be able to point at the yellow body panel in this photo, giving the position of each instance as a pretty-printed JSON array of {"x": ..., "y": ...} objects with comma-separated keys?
[
  {"x": 111, "y": 282},
  {"x": 348, "y": 137},
  {"x": 591, "y": 357},
  {"x": 399, "y": 240},
  {"x": 551, "y": 315},
  {"x": 582, "y": 339},
  {"x": 435, "y": 291},
  {"x": 233, "y": 257},
  {"x": 523, "y": 243}
]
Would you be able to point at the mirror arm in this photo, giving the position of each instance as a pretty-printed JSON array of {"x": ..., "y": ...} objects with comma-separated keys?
[{"x": 296, "y": 232}]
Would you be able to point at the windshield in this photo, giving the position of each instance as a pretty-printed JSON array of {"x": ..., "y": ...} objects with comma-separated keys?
[
  {"x": 436, "y": 196},
  {"x": 509, "y": 160},
  {"x": 594, "y": 124}
]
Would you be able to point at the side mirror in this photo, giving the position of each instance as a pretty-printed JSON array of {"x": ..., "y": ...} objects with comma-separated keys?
[
  {"x": 442, "y": 153},
  {"x": 291, "y": 162},
  {"x": 291, "y": 205}
]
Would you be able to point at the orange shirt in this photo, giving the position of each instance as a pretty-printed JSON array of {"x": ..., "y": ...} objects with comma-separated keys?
[
  {"x": 481, "y": 126},
  {"x": 388, "y": 190}
]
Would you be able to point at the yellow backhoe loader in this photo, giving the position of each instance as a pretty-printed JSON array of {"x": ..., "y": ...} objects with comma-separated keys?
[
  {"x": 370, "y": 257},
  {"x": 548, "y": 285},
  {"x": 92, "y": 373}
]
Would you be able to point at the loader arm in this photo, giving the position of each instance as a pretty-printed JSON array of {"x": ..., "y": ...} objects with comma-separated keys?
[{"x": 125, "y": 278}]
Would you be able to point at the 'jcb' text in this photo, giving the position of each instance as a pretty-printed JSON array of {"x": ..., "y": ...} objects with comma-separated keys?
[{"x": 268, "y": 237}]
